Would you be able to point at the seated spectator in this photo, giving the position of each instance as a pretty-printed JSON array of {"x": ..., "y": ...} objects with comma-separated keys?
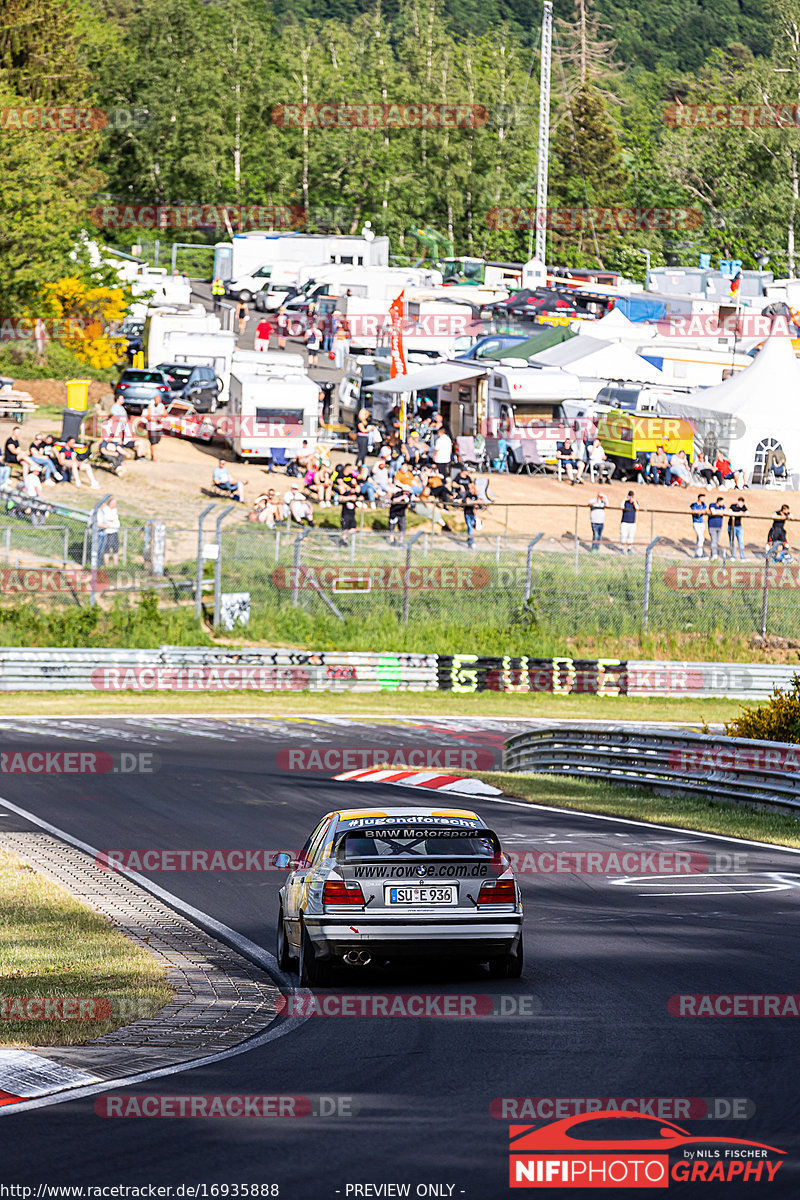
[
  {"x": 567, "y": 456},
  {"x": 599, "y": 460},
  {"x": 32, "y": 485},
  {"x": 725, "y": 473},
  {"x": 656, "y": 469},
  {"x": 776, "y": 463},
  {"x": 110, "y": 448},
  {"x": 12, "y": 453},
  {"x": 703, "y": 468},
  {"x": 462, "y": 481},
  {"x": 129, "y": 440},
  {"x": 72, "y": 462},
  {"x": 322, "y": 486},
  {"x": 412, "y": 450},
  {"x": 365, "y": 485},
  {"x": 118, "y": 410},
  {"x": 404, "y": 475},
  {"x": 222, "y": 480},
  {"x": 37, "y": 452},
  {"x": 380, "y": 475},
  {"x": 678, "y": 470},
  {"x": 266, "y": 509},
  {"x": 296, "y": 506}
]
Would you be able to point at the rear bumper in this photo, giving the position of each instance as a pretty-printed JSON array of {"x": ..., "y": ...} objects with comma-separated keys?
[{"x": 473, "y": 937}]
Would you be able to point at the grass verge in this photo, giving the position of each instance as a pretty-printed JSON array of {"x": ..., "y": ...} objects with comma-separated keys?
[
  {"x": 53, "y": 946},
  {"x": 643, "y": 804},
  {"x": 490, "y": 705}
]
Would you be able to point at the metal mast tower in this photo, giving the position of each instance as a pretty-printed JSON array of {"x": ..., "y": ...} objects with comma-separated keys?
[{"x": 544, "y": 131}]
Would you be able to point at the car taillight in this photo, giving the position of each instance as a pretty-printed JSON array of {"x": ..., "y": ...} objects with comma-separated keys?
[
  {"x": 501, "y": 892},
  {"x": 336, "y": 891},
  {"x": 162, "y": 388},
  {"x": 122, "y": 385}
]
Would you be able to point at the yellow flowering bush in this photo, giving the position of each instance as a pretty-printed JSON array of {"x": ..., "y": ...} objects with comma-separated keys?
[{"x": 81, "y": 315}]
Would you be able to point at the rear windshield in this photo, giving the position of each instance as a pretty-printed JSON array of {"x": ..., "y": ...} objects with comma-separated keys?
[
  {"x": 143, "y": 377},
  {"x": 417, "y": 843}
]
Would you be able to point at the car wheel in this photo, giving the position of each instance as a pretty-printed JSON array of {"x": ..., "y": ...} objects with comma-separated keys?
[
  {"x": 245, "y": 296},
  {"x": 508, "y": 966},
  {"x": 282, "y": 954},
  {"x": 313, "y": 973}
]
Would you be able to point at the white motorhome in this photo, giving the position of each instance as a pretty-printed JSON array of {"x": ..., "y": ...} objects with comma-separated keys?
[
  {"x": 688, "y": 363},
  {"x": 254, "y": 254},
  {"x": 161, "y": 286},
  {"x": 270, "y": 410},
  {"x": 178, "y": 318}
]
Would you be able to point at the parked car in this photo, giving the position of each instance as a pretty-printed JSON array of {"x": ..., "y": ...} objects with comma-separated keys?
[
  {"x": 137, "y": 386},
  {"x": 199, "y": 386},
  {"x": 132, "y": 332},
  {"x": 270, "y": 298}
]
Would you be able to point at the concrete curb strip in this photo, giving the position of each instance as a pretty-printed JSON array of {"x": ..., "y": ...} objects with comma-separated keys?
[{"x": 221, "y": 999}]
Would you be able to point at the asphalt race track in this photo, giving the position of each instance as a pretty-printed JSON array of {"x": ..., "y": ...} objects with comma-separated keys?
[{"x": 603, "y": 956}]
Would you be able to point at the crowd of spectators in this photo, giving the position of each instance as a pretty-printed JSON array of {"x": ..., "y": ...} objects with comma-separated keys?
[{"x": 418, "y": 473}]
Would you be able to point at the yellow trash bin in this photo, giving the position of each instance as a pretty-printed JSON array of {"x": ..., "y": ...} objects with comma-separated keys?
[{"x": 78, "y": 394}]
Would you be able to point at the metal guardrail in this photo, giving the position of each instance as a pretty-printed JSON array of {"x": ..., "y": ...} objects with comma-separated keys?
[{"x": 729, "y": 769}]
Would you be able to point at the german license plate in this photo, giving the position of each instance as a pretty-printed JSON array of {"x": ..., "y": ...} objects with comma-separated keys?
[{"x": 422, "y": 895}]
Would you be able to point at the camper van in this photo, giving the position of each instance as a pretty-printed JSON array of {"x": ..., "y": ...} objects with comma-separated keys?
[
  {"x": 179, "y": 318},
  {"x": 270, "y": 409},
  {"x": 161, "y": 287}
]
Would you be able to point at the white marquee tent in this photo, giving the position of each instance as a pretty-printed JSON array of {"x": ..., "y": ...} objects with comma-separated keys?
[
  {"x": 597, "y": 363},
  {"x": 753, "y": 410}
]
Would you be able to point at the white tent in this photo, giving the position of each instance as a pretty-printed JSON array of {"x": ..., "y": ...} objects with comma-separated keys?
[
  {"x": 753, "y": 410},
  {"x": 616, "y": 327},
  {"x": 597, "y": 363}
]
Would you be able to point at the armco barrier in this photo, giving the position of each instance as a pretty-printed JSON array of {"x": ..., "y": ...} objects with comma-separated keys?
[
  {"x": 199, "y": 668},
  {"x": 726, "y": 768}
]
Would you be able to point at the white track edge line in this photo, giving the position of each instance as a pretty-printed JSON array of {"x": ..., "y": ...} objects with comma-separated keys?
[{"x": 237, "y": 941}]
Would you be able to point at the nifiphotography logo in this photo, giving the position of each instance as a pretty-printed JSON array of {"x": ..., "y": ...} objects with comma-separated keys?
[{"x": 613, "y": 1149}]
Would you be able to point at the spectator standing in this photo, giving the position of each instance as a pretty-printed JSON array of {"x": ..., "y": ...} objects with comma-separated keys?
[
  {"x": 217, "y": 291},
  {"x": 348, "y": 499},
  {"x": 442, "y": 449},
  {"x": 735, "y": 531},
  {"x": 698, "y": 510},
  {"x": 282, "y": 322},
  {"x": 597, "y": 516},
  {"x": 108, "y": 527},
  {"x": 398, "y": 508},
  {"x": 154, "y": 416},
  {"x": 627, "y": 528},
  {"x": 715, "y": 511},
  {"x": 263, "y": 334},
  {"x": 776, "y": 538},
  {"x": 471, "y": 502},
  {"x": 313, "y": 340},
  {"x": 242, "y": 316},
  {"x": 362, "y": 436}
]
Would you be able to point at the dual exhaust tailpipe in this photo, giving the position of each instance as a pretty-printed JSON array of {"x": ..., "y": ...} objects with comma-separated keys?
[{"x": 357, "y": 958}]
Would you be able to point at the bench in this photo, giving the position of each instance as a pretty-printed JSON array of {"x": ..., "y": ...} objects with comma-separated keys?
[{"x": 17, "y": 405}]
